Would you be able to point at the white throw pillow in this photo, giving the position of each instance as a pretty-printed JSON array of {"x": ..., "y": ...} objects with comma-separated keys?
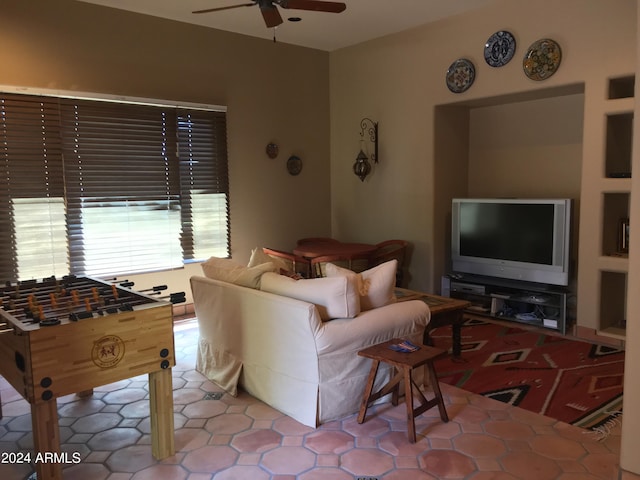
[
  {"x": 376, "y": 286},
  {"x": 334, "y": 297},
  {"x": 227, "y": 270}
]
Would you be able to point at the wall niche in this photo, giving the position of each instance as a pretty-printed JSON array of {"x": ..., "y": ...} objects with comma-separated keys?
[{"x": 520, "y": 145}]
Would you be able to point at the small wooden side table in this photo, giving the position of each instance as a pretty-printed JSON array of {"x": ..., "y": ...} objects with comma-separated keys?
[{"x": 404, "y": 364}]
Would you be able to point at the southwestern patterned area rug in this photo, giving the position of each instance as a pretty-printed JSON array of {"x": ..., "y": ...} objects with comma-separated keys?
[{"x": 572, "y": 381}]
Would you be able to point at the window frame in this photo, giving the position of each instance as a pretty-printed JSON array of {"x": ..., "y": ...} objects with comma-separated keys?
[{"x": 177, "y": 108}]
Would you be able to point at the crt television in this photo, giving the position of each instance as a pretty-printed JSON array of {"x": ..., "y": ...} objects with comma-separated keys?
[{"x": 519, "y": 239}]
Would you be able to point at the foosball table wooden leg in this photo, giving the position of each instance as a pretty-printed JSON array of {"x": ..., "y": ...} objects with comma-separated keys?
[
  {"x": 46, "y": 438},
  {"x": 161, "y": 413}
]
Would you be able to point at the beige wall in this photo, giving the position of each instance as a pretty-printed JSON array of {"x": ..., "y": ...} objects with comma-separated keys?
[
  {"x": 527, "y": 149},
  {"x": 399, "y": 80},
  {"x": 274, "y": 92},
  {"x": 428, "y": 134}
]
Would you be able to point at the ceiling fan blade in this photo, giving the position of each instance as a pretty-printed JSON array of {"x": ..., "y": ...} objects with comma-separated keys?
[
  {"x": 271, "y": 16},
  {"x": 316, "y": 5},
  {"x": 224, "y": 8}
]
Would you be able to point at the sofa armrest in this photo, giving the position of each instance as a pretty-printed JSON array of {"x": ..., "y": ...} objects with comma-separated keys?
[{"x": 400, "y": 319}]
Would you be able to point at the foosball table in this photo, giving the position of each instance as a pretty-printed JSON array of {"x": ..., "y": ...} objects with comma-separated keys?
[{"x": 69, "y": 335}]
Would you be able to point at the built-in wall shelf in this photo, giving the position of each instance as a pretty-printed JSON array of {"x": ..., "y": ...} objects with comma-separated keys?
[
  {"x": 613, "y": 332},
  {"x": 614, "y": 263},
  {"x": 620, "y": 106},
  {"x": 611, "y": 185}
]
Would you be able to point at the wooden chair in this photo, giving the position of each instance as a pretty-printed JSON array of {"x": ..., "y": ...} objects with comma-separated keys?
[
  {"x": 295, "y": 264},
  {"x": 302, "y": 241},
  {"x": 357, "y": 263},
  {"x": 388, "y": 250}
]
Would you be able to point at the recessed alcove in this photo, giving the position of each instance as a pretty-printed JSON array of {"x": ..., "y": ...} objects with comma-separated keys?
[
  {"x": 526, "y": 145},
  {"x": 613, "y": 288},
  {"x": 621, "y": 87},
  {"x": 615, "y": 212},
  {"x": 618, "y": 147}
]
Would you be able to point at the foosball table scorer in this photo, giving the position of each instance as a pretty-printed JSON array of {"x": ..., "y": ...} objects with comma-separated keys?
[{"x": 70, "y": 335}]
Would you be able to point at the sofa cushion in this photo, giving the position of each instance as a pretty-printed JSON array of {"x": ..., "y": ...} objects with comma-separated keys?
[
  {"x": 375, "y": 286},
  {"x": 227, "y": 270},
  {"x": 334, "y": 297}
]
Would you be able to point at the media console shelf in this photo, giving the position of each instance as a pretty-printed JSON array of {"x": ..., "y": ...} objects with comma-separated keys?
[{"x": 531, "y": 304}]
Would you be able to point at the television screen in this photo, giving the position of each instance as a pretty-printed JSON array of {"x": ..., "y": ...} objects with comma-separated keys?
[
  {"x": 518, "y": 232},
  {"x": 519, "y": 239}
]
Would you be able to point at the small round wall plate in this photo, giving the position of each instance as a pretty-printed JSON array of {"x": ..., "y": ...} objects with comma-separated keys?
[
  {"x": 272, "y": 150},
  {"x": 542, "y": 59},
  {"x": 294, "y": 165},
  {"x": 460, "y": 75},
  {"x": 499, "y": 49}
]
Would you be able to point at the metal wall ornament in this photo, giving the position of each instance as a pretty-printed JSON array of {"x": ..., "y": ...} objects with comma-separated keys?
[
  {"x": 272, "y": 150},
  {"x": 294, "y": 165},
  {"x": 362, "y": 167}
]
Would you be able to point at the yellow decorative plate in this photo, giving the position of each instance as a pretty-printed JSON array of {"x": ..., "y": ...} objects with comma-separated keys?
[{"x": 542, "y": 59}]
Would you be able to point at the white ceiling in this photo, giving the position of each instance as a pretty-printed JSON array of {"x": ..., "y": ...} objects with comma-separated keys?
[{"x": 362, "y": 20}]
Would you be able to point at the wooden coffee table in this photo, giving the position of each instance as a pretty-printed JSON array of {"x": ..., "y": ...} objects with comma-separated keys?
[
  {"x": 444, "y": 311},
  {"x": 404, "y": 365}
]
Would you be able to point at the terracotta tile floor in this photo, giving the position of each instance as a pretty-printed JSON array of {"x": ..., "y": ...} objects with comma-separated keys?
[{"x": 242, "y": 438}]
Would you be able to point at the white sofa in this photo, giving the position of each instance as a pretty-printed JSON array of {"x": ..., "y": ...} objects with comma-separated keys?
[{"x": 293, "y": 354}]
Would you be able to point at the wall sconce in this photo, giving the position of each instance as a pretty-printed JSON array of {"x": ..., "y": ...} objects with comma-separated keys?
[{"x": 362, "y": 167}]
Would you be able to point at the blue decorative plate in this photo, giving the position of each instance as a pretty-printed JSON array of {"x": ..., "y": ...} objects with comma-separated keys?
[
  {"x": 460, "y": 75},
  {"x": 542, "y": 59},
  {"x": 500, "y": 48}
]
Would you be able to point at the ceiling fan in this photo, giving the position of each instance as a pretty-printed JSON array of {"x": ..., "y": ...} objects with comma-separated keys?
[{"x": 271, "y": 14}]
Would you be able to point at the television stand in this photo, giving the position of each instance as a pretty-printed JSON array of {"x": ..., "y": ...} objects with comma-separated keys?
[{"x": 524, "y": 302}]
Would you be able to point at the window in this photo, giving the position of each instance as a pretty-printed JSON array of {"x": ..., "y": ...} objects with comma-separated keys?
[{"x": 102, "y": 188}]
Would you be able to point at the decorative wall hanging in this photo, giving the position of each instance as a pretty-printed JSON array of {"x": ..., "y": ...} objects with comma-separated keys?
[
  {"x": 500, "y": 48},
  {"x": 460, "y": 75},
  {"x": 362, "y": 167},
  {"x": 294, "y": 165},
  {"x": 272, "y": 150},
  {"x": 542, "y": 59}
]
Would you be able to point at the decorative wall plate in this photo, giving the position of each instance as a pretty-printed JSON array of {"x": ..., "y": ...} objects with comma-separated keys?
[
  {"x": 294, "y": 165},
  {"x": 460, "y": 75},
  {"x": 499, "y": 49},
  {"x": 272, "y": 150},
  {"x": 542, "y": 59}
]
